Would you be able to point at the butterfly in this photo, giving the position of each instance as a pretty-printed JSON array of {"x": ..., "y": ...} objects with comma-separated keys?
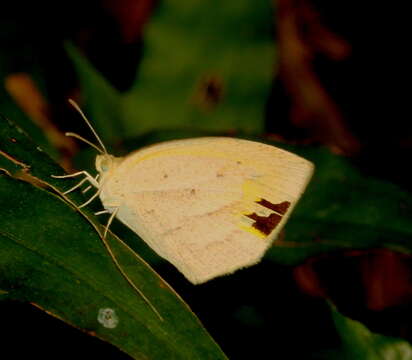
[{"x": 210, "y": 205}]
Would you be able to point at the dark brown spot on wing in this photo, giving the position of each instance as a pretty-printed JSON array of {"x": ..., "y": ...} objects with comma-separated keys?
[
  {"x": 265, "y": 224},
  {"x": 280, "y": 208}
]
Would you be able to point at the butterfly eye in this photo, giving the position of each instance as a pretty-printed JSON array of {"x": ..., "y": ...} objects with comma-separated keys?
[
  {"x": 103, "y": 163},
  {"x": 105, "y": 166}
]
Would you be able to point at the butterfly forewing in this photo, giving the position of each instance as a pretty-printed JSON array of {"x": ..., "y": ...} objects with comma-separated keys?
[{"x": 210, "y": 205}]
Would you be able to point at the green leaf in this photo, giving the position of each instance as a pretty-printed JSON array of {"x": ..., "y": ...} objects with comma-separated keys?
[
  {"x": 343, "y": 208},
  {"x": 103, "y": 102},
  {"x": 358, "y": 342},
  {"x": 51, "y": 254},
  {"x": 11, "y": 110},
  {"x": 206, "y": 65},
  {"x": 14, "y": 47}
]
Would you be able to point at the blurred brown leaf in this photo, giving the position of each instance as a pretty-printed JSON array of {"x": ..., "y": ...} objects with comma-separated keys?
[
  {"x": 301, "y": 37},
  {"x": 374, "y": 279},
  {"x": 27, "y": 95},
  {"x": 131, "y": 16}
]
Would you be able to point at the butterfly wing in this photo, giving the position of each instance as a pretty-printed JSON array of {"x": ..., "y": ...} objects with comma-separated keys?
[{"x": 210, "y": 205}]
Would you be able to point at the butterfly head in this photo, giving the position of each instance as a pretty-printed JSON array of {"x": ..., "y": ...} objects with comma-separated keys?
[{"x": 104, "y": 163}]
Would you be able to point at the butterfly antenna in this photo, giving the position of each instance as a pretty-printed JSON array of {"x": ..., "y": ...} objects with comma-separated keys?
[
  {"x": 85, "y": 140},
  {"x": 103, "y": 148}
]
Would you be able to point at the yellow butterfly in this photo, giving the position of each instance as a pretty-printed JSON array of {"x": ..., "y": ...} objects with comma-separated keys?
[{"x": 210, "y": 205}]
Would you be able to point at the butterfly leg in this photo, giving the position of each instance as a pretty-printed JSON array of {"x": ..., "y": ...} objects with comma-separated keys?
[
  {"x": 102, "y": 212},
  {"x": 90, "y": 186},
  {"x": 87, "y": 177},
  {"x": 90, "y": 178},
  {"x": 96, "y": 194},
  {"x": 75, "y": 186},
  {"x": 114, "y": 213}
]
